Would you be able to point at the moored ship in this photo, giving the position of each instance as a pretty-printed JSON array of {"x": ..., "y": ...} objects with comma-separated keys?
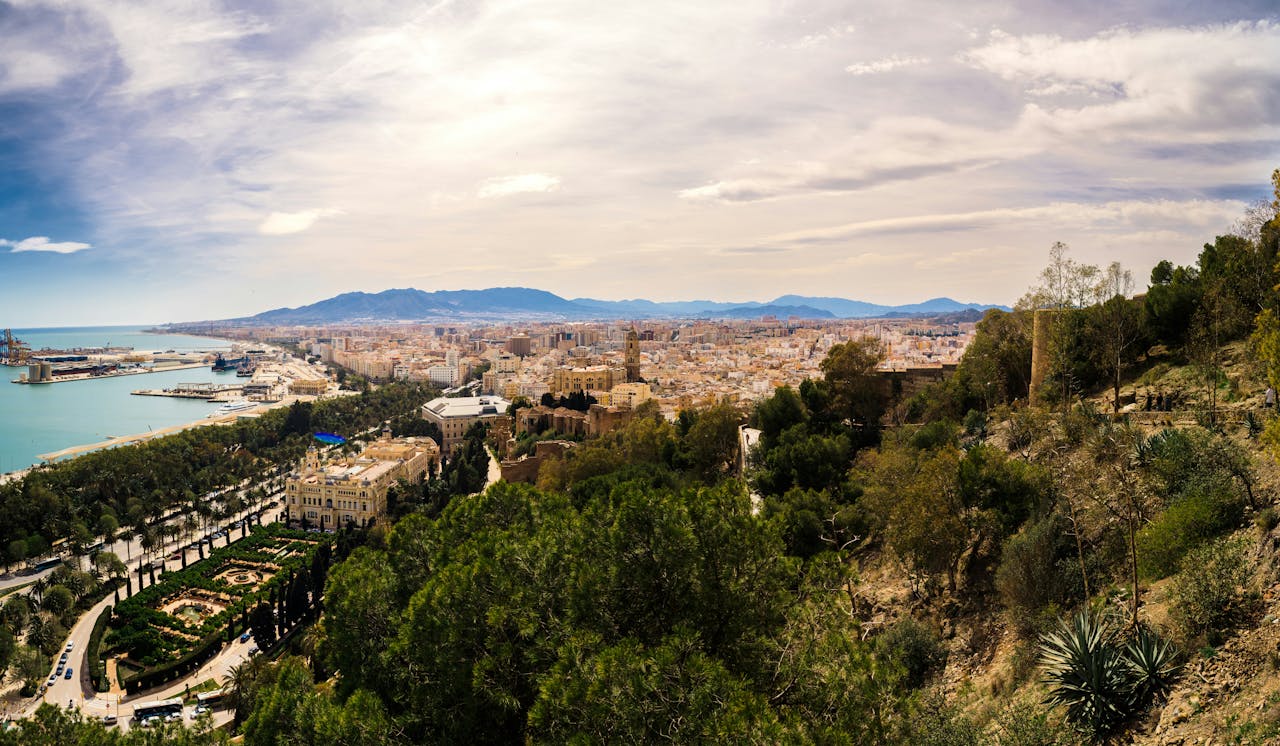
[
  {"x": 232, "y": 407},
  {"x": 222, "y": 363}
]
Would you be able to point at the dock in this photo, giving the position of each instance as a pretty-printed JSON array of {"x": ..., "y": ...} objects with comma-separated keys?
[
  {"x": 204, "y": 391},
  {"x": 113, "y": 374}
]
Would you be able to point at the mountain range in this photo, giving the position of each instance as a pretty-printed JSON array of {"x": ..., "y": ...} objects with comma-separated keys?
[{"x": 409, "y": 304}]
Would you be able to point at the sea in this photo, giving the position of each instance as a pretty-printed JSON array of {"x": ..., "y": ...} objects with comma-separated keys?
[{"x": 47, "y": 418}]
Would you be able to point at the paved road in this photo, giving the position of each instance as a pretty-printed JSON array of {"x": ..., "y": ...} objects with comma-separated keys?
[
  {"x": 495, "y": 471},
  {"x": 11, "y": 580}
]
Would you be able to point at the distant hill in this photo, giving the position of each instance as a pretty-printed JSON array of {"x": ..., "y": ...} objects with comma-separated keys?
[
  {"x": 782, "y": 312},
  {"x": 409, "y": 304},
  {"x": 853, "y": 309}
]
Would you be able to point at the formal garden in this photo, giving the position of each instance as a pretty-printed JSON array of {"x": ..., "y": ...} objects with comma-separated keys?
[{"x": 171, "y": 627}]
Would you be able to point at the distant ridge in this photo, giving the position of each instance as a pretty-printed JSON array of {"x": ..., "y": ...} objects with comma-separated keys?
[{"x": 409, "y": 304}]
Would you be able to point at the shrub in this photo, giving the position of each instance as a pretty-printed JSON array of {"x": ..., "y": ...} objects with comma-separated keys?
[
  {"x": 1205, "y": 511},
  {"x": 1033, "y": 570},
  {"x": 937, "y": 724},
  {"x": 1025, "y": 427},
  {"x": 1209, "y": 594},
  {"x": 97, "y": 671},
  {"x": 915, "y": 647},
  {"x": 934, "y": 435},
  {"x": 1027, "y": 724},
  {"x": 1266, "y": 520}
]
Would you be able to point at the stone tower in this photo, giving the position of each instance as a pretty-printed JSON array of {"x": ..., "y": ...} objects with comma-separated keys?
[
  {"x": 633, "y": 356},
  {"x": 1041, "y": 324}
]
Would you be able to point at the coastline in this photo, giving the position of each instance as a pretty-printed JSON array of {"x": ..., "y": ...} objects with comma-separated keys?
[{"x": 124, "y": 440}]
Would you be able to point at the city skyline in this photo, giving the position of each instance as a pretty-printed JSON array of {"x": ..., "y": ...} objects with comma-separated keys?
[{"x": 213, "y": 161}]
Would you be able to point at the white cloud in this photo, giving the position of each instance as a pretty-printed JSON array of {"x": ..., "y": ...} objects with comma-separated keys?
[
  {"x": 1170, "y": 83},
  {"x": 885, "y": 64},
  {"x": 1201, "y": 214},
  {"x": 825, "y": 36},
  {"x": 26, "y": 69},
  {"x": 42, "y": 243},
  {"x": 502, "y": 186},
  {"x": 284, "y": 223}
]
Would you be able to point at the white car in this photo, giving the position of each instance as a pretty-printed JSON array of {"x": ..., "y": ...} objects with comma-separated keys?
[
  {"x": 53, "y": 678},
  {"x": 70, "y": 645}
]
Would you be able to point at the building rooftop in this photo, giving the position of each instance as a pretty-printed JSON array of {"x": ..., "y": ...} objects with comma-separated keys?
[{"x": 467, "y": 406}]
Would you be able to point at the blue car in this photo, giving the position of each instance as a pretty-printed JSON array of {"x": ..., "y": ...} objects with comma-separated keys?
[
  {"x": 68, "y": 674},
  {"x": 245, "y": 637}
]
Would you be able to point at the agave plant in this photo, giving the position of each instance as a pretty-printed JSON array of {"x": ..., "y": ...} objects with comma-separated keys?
[
  {"x": 1087, "y": 673},
  {"x": 1153, "y": 664},
  {"x": 1253, "y": 424},
  {"x": 1099, "y": 677}
]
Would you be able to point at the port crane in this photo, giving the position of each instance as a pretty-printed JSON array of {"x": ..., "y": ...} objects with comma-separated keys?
[{"x": 13, "y": 351}]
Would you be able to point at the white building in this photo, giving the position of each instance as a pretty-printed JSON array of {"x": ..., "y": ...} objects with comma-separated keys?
[
  {"x": 455, "y": 415},
  {"x": 443, "y": 375}
]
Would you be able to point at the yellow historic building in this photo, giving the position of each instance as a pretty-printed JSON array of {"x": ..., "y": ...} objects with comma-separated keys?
[
  {"x": 353, "y": 490},
  {"x": 591, "y": 378}
]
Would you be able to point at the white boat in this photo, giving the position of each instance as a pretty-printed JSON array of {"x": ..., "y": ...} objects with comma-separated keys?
[{"x": 232, "y": 407}]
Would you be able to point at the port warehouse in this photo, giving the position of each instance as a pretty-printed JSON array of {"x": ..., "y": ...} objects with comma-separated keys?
[{"x": 43, "y": 369}]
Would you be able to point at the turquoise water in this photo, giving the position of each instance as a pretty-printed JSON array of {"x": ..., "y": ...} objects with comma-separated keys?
[{"x": 47, "y": 418}]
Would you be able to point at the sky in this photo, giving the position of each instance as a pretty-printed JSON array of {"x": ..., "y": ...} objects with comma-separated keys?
[{"x": 186, "y": 160}]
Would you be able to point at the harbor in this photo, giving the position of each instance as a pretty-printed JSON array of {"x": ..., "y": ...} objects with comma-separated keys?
[
  {"x": 54, "y": 356},
  {"x": 185, "y": 386},
  {"x": 44, "y": 419}
]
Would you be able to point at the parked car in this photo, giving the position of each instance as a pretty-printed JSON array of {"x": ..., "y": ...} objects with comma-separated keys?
[
  {"x": 245, "y": 637},
  {"x": 70, "y": 645},
  {"x": 68, "y": 674},
  {"x": 108, "y": 719},
  {"x": 63, "y": 657}
]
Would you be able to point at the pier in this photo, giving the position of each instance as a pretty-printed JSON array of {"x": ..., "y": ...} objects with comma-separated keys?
[
  {"x": 49, "y": 375},
  {"x": 205, "y": 391}
]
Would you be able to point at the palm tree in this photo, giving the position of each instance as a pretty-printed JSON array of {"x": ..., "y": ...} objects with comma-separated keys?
[
  {"x": 38, "y": 588},
  {"x": 240, "y": 684}
]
